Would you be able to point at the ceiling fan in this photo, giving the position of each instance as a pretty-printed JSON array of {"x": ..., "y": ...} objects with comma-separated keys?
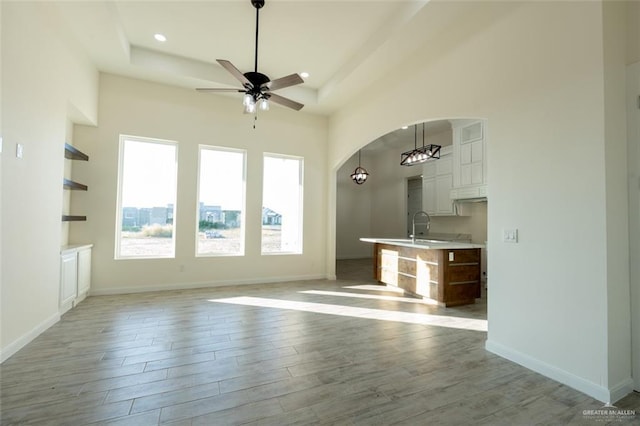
[{"x": 257, "y": 87}]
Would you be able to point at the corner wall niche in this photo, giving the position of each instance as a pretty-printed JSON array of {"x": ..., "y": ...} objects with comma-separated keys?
[{"x": 72, "y": 153}]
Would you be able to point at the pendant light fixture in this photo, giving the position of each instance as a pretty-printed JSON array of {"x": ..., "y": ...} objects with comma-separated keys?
[
  {"x": 360, "y": 174},
  {"x": 419, "y": 155}
]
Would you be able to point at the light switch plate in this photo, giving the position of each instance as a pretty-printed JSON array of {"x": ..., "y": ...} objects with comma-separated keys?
[
  {"x": 19, "y": 150},
  {"x": 510, "y": 235},
  {"x": 451, "y": 259}
]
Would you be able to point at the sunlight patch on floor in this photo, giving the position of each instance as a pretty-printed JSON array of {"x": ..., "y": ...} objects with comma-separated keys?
[
  {"x": 356, "y": 312},
  {"x": 372, "y": 296},
  {"x": 375, "y": 287}
]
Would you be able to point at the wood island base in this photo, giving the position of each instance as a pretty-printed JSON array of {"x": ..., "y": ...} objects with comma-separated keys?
[{"x": 451, "y": 277}]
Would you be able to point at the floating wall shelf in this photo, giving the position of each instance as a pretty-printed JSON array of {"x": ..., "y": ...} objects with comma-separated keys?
[
  {"x": 67, "y": 218},
  {"x": 72, "y": 153},
  {"x": 69, "y": 184}
]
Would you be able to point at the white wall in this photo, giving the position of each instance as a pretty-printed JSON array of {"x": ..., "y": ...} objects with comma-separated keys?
[
  {"x": 633, "y": 32},
  {"x": 616, "y": 180},
  {"x": 633, "y": 126},
  {"x": 46, "y": 81},
  {"x": 633, "y": 136},
  {"x": 138, "y": 108},
  {"x": 536, "y": 72},
  {"x": 353, "y": 210},
  {"x": 1, "y": 162}
]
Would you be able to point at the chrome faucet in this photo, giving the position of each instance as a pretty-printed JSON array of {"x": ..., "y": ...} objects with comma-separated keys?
[{"x": 413, "y": 224}]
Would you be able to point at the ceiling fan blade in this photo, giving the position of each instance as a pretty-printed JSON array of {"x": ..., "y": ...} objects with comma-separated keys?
[
  {"x": 281, "y": 83},
  {"x": 217, "y": 89},
  {"x": 285, "y": 101},
  {"x": 235, "y": 72}
]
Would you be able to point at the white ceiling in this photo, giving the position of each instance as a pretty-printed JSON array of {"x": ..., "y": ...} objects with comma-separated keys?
[{"x": 344, "y": 45}]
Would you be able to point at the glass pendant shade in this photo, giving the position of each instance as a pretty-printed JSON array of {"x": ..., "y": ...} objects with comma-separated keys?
[
  {"x": 250, "y": 108},
  {"x": 263, "y": 104},
  {"x": 249, "y": 103},
  {"x": 360, "y": 175}
]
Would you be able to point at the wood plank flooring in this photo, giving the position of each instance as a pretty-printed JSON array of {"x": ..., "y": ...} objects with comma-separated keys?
[{"x": 345, "y": 352}]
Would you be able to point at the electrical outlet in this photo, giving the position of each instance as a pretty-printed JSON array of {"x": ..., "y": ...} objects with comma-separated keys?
[
  {"x": 451, "y": 259},
  {"x": 510, "y": 235}
]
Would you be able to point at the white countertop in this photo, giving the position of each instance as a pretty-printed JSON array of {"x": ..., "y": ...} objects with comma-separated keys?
[
  {"x": 74, "y": 247},
  {"x": 423, "y": 244}
]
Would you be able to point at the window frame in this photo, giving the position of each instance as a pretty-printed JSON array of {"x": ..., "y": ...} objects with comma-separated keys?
[
  {"x": 244, "y": 200},
  {"x": 119, "y": 207}
]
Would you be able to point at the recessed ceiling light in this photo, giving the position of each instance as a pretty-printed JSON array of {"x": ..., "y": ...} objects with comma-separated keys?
[
  {"x": 160, "y": 37},
  {"x": 304, "y": 74},
  {"x": 405, "y": 127}
]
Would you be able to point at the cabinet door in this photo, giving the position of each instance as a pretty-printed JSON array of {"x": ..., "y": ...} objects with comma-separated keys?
[
  {"x": 466, "y": 174},
  {"x": 84, "y": 271},
  {"x": 68, "y": 278},
  {"x": 466, "y": 153},
  {"x": 429, "y": 197},
  {"x": 444, "y": 184},
  {"x": 469, "y": 150},
  {"x": 444, "y": 166},
  {"x": 430, "y": 168},
  {"x": 476, "y": 151}
]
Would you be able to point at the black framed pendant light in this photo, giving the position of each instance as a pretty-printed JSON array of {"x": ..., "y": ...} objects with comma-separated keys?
[
  {"x": 421, "y": 154},
  {"x": 360, "y": 174}
]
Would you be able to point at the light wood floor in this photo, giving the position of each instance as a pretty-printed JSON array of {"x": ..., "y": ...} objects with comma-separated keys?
[{"x": 346, "y": 352}]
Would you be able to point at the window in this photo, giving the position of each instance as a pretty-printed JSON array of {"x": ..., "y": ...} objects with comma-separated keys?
[
  {"x": 221, "y": 189},
  {"x": 282, "y": 204},
  {"x": 147, "y": 182}
]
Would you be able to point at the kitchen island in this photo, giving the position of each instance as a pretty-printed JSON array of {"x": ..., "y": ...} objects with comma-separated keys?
[{"x": 448, "y": 273}]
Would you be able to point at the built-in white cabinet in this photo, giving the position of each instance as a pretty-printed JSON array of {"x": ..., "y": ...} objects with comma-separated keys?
[
  {"x": 437, "y": 182},
  {"x": 68, "y": 280},
  {"x": 469, "y": 160},
  {"x": 75, "y": 275},
  {"x": 84, "y": 273}
]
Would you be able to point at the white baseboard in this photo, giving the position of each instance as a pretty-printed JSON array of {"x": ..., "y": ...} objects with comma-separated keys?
[
  {"x": 621, "y": 390},
  {"x": 203, "y": 284},
  {"x": 594, "y": 390},
  {"x": 21, "y": 342}
]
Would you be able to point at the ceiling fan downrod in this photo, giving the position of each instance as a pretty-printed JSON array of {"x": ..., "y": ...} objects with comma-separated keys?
[{"x": 258, "y": 4}]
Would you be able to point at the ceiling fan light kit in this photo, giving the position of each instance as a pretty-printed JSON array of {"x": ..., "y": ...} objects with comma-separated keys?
[{"x": 257, "y": 87}]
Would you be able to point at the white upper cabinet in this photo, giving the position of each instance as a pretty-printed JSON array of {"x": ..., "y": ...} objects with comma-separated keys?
[
  {"x": 437, "y": 182},
  {"x": 469, "y": 161}
]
